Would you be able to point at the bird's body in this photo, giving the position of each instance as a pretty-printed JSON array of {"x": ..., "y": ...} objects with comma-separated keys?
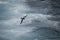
[{"x": 23, "y": 19}]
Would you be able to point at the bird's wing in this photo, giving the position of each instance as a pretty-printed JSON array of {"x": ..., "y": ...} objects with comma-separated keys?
[
  {"x": 25, "y": 16},
  {"x": 21, "y": 21}
]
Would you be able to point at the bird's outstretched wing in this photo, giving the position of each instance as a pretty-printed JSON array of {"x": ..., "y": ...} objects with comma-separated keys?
[
  {"x": 21, "y": 21},
  {"x": 25, "y": 16}
]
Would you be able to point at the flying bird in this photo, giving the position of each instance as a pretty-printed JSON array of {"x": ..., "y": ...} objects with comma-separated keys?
[{"x": 23, "y": 18}]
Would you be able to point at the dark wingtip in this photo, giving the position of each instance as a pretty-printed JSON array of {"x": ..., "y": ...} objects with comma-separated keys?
[{"x": 20, "y": 23}]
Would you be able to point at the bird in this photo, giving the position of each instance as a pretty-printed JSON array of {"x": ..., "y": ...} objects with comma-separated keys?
[{"x": 23, "y": 18}]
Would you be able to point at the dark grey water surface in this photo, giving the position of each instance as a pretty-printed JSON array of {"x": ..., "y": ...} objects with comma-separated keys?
[{"x": 42, "y": 22}]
